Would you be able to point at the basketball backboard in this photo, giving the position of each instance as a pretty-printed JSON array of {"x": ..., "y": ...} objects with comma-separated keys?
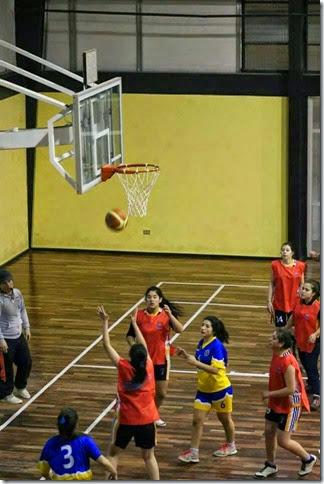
[
  {"x": 94, "y": 114},
  {"x": 97, "y": 133}
]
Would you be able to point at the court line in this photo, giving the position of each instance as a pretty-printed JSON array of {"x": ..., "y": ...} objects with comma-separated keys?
[
  {"x": 211, "y": 284},
  {"x": 191, "y": 372},
  {"x": 223, "y": 304},
  {"x": 198, "y": 311},
  {"x": 72, "y": 363},
  {"x": 100, "y": 417}
]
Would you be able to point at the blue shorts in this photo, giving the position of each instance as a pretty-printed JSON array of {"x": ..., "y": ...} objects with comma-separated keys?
[{"x": 219, "y": 402}]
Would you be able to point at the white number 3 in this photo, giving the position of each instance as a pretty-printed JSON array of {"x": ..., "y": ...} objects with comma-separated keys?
[{"x": 68, "y": 456}]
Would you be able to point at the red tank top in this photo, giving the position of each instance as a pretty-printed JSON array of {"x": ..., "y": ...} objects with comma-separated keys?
[
  {"x": 156, "y": 332},
  {"x": 287, "y": 280},
  {"x": 306, "y": 323},
  {"x": 136, "y": 406},
  {"x": 278, "y": 368}
]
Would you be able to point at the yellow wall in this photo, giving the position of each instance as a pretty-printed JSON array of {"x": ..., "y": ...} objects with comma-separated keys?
[
  {"x": 222, "y": 187},
  {"x": 13, "y": 186}
]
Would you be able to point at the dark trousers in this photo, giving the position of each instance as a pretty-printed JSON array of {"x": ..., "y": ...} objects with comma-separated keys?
[
  {"x": 309, "y": 362},
  {"x": 18, "y": 354}
]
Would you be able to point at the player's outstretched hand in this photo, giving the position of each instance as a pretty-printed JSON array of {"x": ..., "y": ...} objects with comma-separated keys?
[
  {"x": 134, "y": 316},
  {"x": 182, "y": 353},
  {"x": 102, "y": 313},
  {"x": 167, "y": 310}
]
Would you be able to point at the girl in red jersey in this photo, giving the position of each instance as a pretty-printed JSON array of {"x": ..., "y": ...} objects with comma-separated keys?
[
  {"x": 155, "y": 323},
  {"x": 306, "y": 319},
  {"x": 287, "y": 276},
  {"x": 136, "y": 410},
  {"x": 286, "y": 398}
]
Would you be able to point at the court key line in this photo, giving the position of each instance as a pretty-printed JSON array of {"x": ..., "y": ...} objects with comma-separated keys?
[
  {"x": 72, "y": 363},
  {"x": 211, "y": 284},
  {"x": 172, "y": 339},
  {"x": 191, "y": 372},
  {"x": 224, "y": 304}
]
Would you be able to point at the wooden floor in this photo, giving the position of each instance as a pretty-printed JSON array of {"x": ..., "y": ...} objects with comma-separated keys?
[{"x": 62, "y": 290}]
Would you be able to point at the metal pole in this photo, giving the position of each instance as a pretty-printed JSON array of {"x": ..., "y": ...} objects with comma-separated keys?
[
  {"x": 139, "y": 36},
  {"x": 28, "y": 92}
]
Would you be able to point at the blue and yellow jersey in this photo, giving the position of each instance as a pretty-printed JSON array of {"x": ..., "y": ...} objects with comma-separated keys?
[
  {"x": 212, "y": 353},
  {"x": 68, "y": 460}
]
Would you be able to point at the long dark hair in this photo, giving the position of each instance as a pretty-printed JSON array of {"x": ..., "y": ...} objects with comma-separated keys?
[
  {"x": 315, "y": 285},
  {"x": 175, "y": 308},
  {"x": 138, "y": 358},
  {"x": 66, "y": 422},
  {"x": 218, "y": 329}
]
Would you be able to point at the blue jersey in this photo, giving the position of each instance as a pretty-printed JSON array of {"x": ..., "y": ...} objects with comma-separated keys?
[
  {"x": 69, "y": 459},
  {"x": 213, "y": 353}
]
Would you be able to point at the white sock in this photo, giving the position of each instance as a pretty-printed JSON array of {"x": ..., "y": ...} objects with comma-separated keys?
[{"x": 195, "y": 451}]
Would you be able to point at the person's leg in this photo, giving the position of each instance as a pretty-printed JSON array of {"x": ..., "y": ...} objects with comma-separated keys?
[
  {"x": 7, "y": 379},
  {"x": 113, "y": 453},
  {"x": 199, "y": 417},
  {"x": 270, "y": 436},
  {"x": 285, "y": 441},
  {"x": 23, "y": 361},
  {"x": 228, "y": 425},
  {"x": 161, "y": 388},
  {"x": 311, "y": 360},
  {"x": 151, "y": 464}
]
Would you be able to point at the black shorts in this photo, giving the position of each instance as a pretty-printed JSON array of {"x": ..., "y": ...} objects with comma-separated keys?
[
  {"x": 281, "y": 318},
  {"x": 288, "y": 422},
  {"x": 161, "y": 372},
  {"x": 144, "y": 435}
]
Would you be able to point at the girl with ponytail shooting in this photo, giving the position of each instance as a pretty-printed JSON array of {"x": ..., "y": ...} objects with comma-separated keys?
[
  {"x": 66, "y": 457},
  {"x": 136, "y": 410},
  {"x": 155, "y": 323},
  {"x": 214, "y": 388}
]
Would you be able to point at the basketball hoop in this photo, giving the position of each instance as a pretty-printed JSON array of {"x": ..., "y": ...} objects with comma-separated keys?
[{"x": 138, "y": 183}]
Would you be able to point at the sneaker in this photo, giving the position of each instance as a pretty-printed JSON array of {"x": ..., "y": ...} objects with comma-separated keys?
[
  {"x": 316, "y": 403},
  {"x": 11, "y": 399},
  {"x": 160, "y": 423},
  {"x": 267, "y": 471},
  {"x": 306, "y": 467},
  {"x": 189, "y": 456},
  {"x": 23, "y": 393},
  {"x": 225, "y": 450}
]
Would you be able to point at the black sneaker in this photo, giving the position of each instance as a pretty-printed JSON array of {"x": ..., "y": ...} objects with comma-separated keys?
[
  {"x": 307, "y": 467},
  {"x": 267, "y": 471}
]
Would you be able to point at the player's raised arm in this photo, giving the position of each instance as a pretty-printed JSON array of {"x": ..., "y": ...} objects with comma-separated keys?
[{"x": 112, "y": 353}]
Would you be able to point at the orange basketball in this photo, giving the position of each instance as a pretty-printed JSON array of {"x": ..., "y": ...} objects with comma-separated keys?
[{"x": 116, "y": 219}]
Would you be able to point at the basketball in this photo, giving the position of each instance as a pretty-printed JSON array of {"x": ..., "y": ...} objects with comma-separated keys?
[{"x": 116, "y": 219}]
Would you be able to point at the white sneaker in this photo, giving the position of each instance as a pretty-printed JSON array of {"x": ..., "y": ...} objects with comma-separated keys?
[
  {"x": 160, "y": 423},
  {"x": 307, "y": 467},
  {"x": 189, "y": 456},
  {"x": 266, "y": 471},
  {"x": 23, "y": 392},
  {"x": 11, "y": 399},
  {"x": 225, "y": 450}
]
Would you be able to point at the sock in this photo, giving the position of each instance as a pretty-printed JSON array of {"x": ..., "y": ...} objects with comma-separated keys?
[
  {"x": 310, "y": 459},
  {"x": 231, "y": 444},
  {"x": 271, "y": 464},
  {"x": 195, "y": 451}
]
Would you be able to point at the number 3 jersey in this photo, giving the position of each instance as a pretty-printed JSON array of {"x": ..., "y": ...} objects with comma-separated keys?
[
  {"x": 69, "y": 459},
  {"x": 213, "y": 353}
]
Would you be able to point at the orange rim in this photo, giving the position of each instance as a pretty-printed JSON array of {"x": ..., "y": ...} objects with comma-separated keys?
[{"x": 107, "y": 171}]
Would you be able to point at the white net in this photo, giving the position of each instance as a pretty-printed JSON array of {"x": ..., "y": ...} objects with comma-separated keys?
[{"x": 138, "y": 186}]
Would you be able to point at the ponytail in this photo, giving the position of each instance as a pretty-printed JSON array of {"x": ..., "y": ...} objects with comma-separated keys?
[
  {"x": 67, "y": 422},
  {"x": 138, "y": 358},
  {"x": 218, "y": 329}
]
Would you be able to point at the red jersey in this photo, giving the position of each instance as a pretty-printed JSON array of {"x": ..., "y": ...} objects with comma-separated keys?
[
  {"x": 135, "y": 405},
  {"x": 306, "y": 318},
  {"x": 278, "y": 367},
  {"x": 286, "y": 280},
  {"x": 156, "y": 332}
]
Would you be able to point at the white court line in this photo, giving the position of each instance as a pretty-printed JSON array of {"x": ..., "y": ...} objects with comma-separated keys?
[
  {"x": 210, "y": 284},
  {"x": 191, "y": 372},
  {"x": 84, "y": 352},
  {"x": 100, "y": 417},
  {"x": 198, "y": 312},
  {"x": 223, "y": 304}
]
